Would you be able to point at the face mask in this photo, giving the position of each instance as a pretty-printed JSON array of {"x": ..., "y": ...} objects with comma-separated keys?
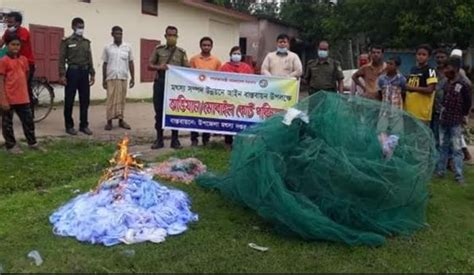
[
  {"x": 171, "y": 41},
  {"x": 282, "y": 50},
  {"x": 79, "y": 32},
  {"x": 362, "y": 62},
  {"x": 236, "y": 57},
  {"x": 323, "y": 54},
  {"x": 12, "y": 29}
]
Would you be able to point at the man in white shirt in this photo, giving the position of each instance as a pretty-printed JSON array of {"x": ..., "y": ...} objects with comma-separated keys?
[
  {"x": 282, "y": 62},
  {"x": 118, "y": 62}
]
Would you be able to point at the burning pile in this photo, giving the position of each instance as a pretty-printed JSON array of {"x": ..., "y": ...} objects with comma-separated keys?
[{"x": 127, "y": 206}]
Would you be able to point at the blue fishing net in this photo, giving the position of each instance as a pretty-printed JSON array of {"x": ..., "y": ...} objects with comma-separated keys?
[{"x": 125, "y": 211}]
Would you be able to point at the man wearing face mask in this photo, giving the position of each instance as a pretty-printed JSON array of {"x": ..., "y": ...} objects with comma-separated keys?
[
  {"x": 324, "y": 73},
  {"x": 161, "y": 57},
  {"x": 282, "y": 62},
  {"x": 75, "y": 51},
  {"x": 14, "y": 20}
]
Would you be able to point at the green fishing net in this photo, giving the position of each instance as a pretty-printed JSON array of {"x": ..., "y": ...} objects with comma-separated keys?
[{"x": 330, "y": 178}]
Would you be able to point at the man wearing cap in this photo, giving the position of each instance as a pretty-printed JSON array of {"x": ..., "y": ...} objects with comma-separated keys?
[{"x": 457, "y": 53}]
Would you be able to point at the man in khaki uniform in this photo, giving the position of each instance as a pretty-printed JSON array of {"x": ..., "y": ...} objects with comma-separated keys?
[
  {"x": 159, "y": 60},
  {"x": 75, "y": 51},
  {"x": 324, "y": 73}
]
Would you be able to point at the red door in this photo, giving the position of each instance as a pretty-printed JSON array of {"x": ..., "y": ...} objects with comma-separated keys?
[
  {"x": 146, "y": 49},
  {"x": 45, "y": 42}
]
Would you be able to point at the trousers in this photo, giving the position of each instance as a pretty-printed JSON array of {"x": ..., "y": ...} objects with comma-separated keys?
[
  {"x": 451, "y": 142},
  {"x": 24, "y": 113},
  {"x": 77, "y": 81}
]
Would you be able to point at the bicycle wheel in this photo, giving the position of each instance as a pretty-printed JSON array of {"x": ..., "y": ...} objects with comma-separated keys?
[{"x": 43, "y": 100}]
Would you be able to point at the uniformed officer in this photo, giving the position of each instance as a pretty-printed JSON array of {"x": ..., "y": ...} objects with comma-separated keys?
[
  {"x": 324, "y": 73},
  {"x": 75, "y": 51},
  {"x": 160, "y": 58}
]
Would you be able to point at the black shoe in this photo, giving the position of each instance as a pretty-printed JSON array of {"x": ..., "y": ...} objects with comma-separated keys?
[
  {"x": 124, "y": 125},
  {"x": 175, "y": 144},
  {"x": 157, "y": 144},
  {"x": 71, "y": 131},
  {"x": 108, "y": 126},
  {"x": 86, "y": 131},
  {"x": 194, "y": 143}
]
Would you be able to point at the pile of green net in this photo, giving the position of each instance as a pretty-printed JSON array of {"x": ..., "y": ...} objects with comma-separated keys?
[{"x": 328, "y": 179}]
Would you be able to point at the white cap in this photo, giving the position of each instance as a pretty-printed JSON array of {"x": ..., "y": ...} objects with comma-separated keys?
[{"x": 456, "y": 52}]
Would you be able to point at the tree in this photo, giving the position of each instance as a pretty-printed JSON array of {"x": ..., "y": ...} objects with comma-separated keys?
[{"x": 401, "y": 23}]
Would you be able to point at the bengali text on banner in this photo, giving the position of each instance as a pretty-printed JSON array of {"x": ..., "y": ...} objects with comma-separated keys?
[{"x": 224, "y": 103}]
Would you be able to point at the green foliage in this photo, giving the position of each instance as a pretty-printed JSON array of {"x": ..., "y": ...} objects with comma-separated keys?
[{"x": 403, "y": 23}]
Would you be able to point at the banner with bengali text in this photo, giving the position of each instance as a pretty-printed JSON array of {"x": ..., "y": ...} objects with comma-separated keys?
[{"x": 223, "y": 103}]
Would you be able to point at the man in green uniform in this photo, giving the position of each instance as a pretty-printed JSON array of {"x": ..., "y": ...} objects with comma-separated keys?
[
  {"x": 75, "y": 51},
  {"x": 159, "y": 60},
  {"x": 324, "y": 73}
]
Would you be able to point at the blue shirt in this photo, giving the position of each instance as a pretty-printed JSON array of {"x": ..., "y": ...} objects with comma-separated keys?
[{"x": 392, "y": 87}]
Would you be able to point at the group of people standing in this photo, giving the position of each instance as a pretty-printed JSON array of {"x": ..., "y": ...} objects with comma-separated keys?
[
  {"x": 171, "y": 54},
  {"x": 76, "y": 73},
  {"x": 281, "y": 62},
  {"x": 439, "y": 97}
]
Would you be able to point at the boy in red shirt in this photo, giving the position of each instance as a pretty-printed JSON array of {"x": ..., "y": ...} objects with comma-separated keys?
[
  {"x": 14, "y": 95},
  {"x": 14, "y": 21}
]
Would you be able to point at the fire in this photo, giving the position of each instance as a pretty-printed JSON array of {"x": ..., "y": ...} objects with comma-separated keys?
[
  {"x": 121, "y": 164},
  {"x": 123, "y": 157}
]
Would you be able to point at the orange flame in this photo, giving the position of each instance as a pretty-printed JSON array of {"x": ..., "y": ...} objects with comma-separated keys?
[
  {"x": 123, "y": 157},
  {"x": 122, "y": 162}
]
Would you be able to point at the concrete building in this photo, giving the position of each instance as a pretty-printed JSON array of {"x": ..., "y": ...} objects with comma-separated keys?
[
  {"x": 143, "y": 23},
  {"x": 258, "y": 37}
]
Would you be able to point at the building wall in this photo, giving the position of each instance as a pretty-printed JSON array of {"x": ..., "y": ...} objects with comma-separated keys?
[
  {"x": 250, "y": 30},
  {"x": 101, "y": 15},
  {"x": 261, "y": 37}
]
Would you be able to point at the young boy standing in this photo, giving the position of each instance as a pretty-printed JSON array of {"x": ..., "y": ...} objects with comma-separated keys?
[
  {"x": 14, "y": 96},
  {"x": 455, "y": 105},
  {"x": 390, "y": 125},
  {"x": 421, "y": 86}
]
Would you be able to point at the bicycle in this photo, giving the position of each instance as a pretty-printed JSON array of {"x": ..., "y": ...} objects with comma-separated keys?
[{"x": 43, "y": 98}]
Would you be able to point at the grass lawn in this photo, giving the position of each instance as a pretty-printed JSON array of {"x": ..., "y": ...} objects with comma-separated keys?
[{"x": 34, "y": 185}]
